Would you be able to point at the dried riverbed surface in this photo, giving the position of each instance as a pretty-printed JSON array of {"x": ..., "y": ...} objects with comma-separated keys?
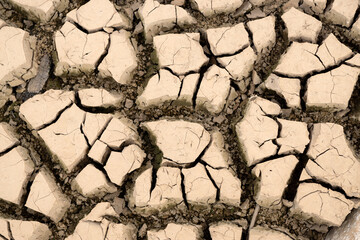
[{"x": 182, "y": 119}]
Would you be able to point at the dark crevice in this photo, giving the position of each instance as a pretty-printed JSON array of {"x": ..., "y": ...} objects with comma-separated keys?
[
  {"x": 92, "y": 109},
  {"x": 8, "y": 150},
  {"x": 79, "y": 27},
  {"x": 207, "y": 235},
  {"x": 103, "y": 55},
  {"x": 27, "y": 187},
  {"x": 183, "y": 189},
  {"x": 214, "y": 183},
  {"x": 56, "y": 118},
  {"x": 10, "y": 231}
]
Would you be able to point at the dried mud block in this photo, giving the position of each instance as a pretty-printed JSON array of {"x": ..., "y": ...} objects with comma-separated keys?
[
  {"x": 99, "y": 212},
  {"x": 43, "y": 109},
  {"x": 314, "y": 6},
  {"x": 8, "y": 138},
  {"x": 322, "y": 205},
  {"x": 65, "y": 138},
  {"x": 99, "y": 151},
  {"x": 259, "y": 233},
  {"x": 167, "y": 192},
  {"x": 96, "y": 15},
  {"x": 256, "y": 144},
  {"x": 46, "y": 197},
  {"x": 182, "y": 53},
  {"x": 94, "y": 124},
  {"x": 348, "y": 230},
  {"x": 181, "y": 142},
  {"x": 342, "y": 12},
  {"x": 299, "y": 60},
  {"x": 294, "y": 137},
  {"x": 331, "y": 52},
  {"x": 216, "y": 156},
  {"x": 91, "y": 182},
  {"x": 93, "y": 97},
  {"x": 229, "y": 185},
  {"x": 89, "y": 230},
  {"x": 240, "y": 65},
  {"x": 78, "y": 52},
  {"x": 162, "y": 87},
  {"x": 355, "y": 30},
  {"x": 15, "y": 71},
  {"x": 332, "y": 160},
  {"x": 140, "y": 195},
  {"x": 23, "y": 230},
  {"x": 227, "y": 40},
  {"x": 121, "y": 232},
  {"x": 213, "y": 7},
  {"x": 273, "y": 177},
  {"x": 214, "y": 90},
  {"x": 332, "y": 90},
  {"x": 119, "y": 132},
  {"x": 175, "y": 231},
  {"x": 287, "y": 88},
  {"x": 120, "y": 61},
  {"x": 225, "y": 231},
  {"x": 16, "y": 167},
  {"x": 158, "y": 18},
  {"x": 45, "y": 10},
  {"x": 199, "y": 189},
  {"x": 263, "y": 33},
  {"x": 122, "y": 163},
  {"x": 354, "y": 61},
  {"x": 301, "y": 26}
]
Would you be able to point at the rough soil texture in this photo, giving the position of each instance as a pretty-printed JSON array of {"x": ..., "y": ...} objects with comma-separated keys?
[{"x": 193, "y": 218}]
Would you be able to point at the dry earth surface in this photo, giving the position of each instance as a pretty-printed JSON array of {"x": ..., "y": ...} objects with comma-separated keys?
[{"x": 179, "y": 119}]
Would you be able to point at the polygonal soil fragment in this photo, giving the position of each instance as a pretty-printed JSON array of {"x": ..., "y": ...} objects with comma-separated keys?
[
  {"x": 16, "y": 167},
  {"x": 91, "y": 182},
  {"x": 331, "y": 159},
  {"x": 43, "y": 109},
  {"x": 214, "y": 90},
  {"x": 176, "y": 232},
  {"x": 256, "y": 144},
  {"x": 342, "y": 12},
  {"x": 299, "y": 60},
  {"x": 44, "y": 10},
  {"x": 227, "y": 40},
  {"x": 140, "y": 195},
  {"x": 199, "y": 189},
  {"x": 333, "y": 89},
  {"x": 212, "y": 7},
  {"x": 46, "y": 197},
  {"x": 300, "y": 26},
  {"x": 287, "y": 88},
  {"x": 216, "y": 156},
  {"x": 93, "y": 97},
  {"x": 331, "y": 52},
  {"x": 348, "y": 230},
  {"x": 263, "y": 33},
  {"x": 65, "y": 138},
  {"x": 188, "y": 89},
  {"x": 181, "y": 142},
  {"x": 121, "y": 232},
  {"x": 161, "y": 88},
  {"x": 167, "y": 191},
  {"x": 121, "y": 60},
  {"x": 122, "y": 163},
  {"x": 240, "y": 65},
  {"x": 322, "y": 205},
  {"x": 294, "y": 137},
  {"x": 119, "y": 132},
  {"x": 93, "y": 125},
  {"x": 273, "y": 177},
  {"x": 96, "y": 15},
  {"x": 261, "y": 233},
  {"x": 8, "y": 138},
  {"x": 16, "y": 70},
  {"x": 229, "y": 185},
  {"x": 158, "y": 18},
  {"x": 182, "y": 53},
  {"x": 78, "y": 52},
  {"x": 225, "y": 231},
  {"x": 23, "y": 230}
]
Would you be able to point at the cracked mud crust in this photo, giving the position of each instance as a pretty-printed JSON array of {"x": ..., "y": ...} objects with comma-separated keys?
[{"x": 179, "y": 119}]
